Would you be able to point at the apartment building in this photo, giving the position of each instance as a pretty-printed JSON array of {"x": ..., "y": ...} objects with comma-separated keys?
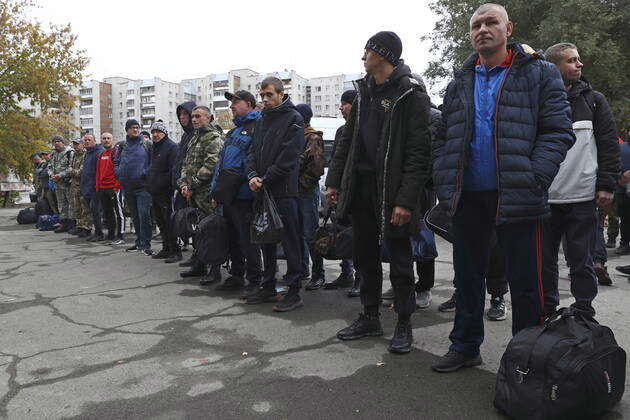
[
  {"x": 93, "y": 111},
  {"x": 324, "y": 93}
]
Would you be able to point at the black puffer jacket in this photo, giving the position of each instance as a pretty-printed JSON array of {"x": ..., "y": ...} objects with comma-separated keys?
[
  {"x": 189, "y": 131},
  {"x": 277, "y": 142},
  {"x": 164, "y": 156},
  {"x": 533, "y": 132},
  {"x": 403, "y": 154}
]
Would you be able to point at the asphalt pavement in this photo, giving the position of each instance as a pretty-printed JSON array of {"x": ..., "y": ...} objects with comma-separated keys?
[{"x": 89, "y": 331}]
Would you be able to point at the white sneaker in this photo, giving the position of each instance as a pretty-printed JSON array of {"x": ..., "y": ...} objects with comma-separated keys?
[{"x": 423, "y": 299}]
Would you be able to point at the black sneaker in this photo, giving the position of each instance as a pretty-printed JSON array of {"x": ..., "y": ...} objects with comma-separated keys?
[
  {"x": 453, "y": 361},
  {"x": 289, "y": 302},
  {"x": 388, "y": 294},
  {"x": 147, "y": 251},
  {"x": 133, "y": 248},
  {"x": 196, "y": 271},
  {"x": 213, "y": 276},
  {"x": 249, "y": 290},
  {"x": 231, "y": 283},
  {"x": 344, "y": 280},
  {"x": 315, "y": 283},
  {"x": 497, "y": 311},
  {"x": 624, "y": 249},
  {"x": 162, "y": 255},
  {"x": 601, "y": 272},
  {"x": 364, "y": 326},
  {"x": 403, "y": 338},
  {"x": 263, "y": 294},
  {"x": 449, "y": 305},
  {"x": 623, "y": 269},
  {"x": 173, "y": 258}
]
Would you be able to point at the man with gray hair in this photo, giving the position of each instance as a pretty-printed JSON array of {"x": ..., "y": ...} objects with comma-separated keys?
[
  {"x": 586, "y": 180},
  {"x": 505, "y": 130},
  {"x": 59, "y": 169}
]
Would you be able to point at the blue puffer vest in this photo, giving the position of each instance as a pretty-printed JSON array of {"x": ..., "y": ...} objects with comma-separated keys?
[{"x": 532, "y": 133}]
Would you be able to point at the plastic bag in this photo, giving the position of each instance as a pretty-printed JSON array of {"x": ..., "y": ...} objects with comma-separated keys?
[{"x": 267, "y": 224}]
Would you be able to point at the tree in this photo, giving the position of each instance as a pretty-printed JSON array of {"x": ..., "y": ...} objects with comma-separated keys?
[
  {"x": 38, "y": 68},
  {"x": 599, "y": 28}
]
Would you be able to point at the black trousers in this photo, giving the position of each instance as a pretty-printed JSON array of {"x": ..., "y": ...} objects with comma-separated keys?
[
  {"x": 578, "y": 223},
  {"x": 291, "y": 244},
  {"x": 97, "y": 212},
  {"x": 496, "y": 282},
  {"x": 111, "y": 202},
  {"x": 623, "y": 210},
  {"x": 245, "y": 255},
  {"x": 426, "y": 275},
  {"x": 367, "y": 253},
  {"x": 163, "y": 211},
  {"x": 474, "y": 224}
]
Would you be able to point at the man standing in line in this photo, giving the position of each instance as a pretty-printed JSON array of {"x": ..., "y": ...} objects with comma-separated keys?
[
  {"x": 44, "y": 178},
  {"x": 79, "y": 209},
  {"x": 196, "y": 175},
  {"x": 88, "y": 181},
  {"x": 160, "y": 185},
  {"x": 505, "y": 130},
  {"x": 586, "y": 180},
  {"x": 348, "y": 277},
  {"x": 245, "y": 256},
  {"x": 58, "y": 169},
  {"x": 379, "y": 169},
  {"x": 108, "y": 191},
  {"x": 132, "y": 166},
  {"x": 311, "y": 169},
  {"x": 273, "y": 162}
]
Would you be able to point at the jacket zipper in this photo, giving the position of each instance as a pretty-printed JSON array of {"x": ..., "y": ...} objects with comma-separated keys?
[
  {"x": 496, "y": 137},
  {"x": 389, "y": 145}
]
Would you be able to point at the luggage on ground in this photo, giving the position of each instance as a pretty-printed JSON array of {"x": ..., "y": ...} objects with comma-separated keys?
[
  {"x": 27, "y": 216},
  {"x": 569, "y": 368},
  {"x": 47, "y": 222},
  {"x": 331, "y": 240},
  {"x": 211, "y": 240}
]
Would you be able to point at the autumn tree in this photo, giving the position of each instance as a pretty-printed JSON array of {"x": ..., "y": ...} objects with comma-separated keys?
[
  {"x": 599, "y": 28},
  {"x": 38, "y": 68}
]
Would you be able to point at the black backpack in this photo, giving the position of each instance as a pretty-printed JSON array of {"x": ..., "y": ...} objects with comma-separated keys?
[
  {"x": 211, "y": 240},
  {"x": 27, "y": 216},
  {"x": 571, "y": 367},
  {"x": 185, "y": 221},
  {"x": 42, "y": 207}
]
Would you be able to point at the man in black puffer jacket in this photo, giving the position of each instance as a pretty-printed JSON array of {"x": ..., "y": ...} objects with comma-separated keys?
[
  {"x": 160, "y": 184},
  {"x": 586, "y": 180},
  {"x": 506, "y": 128},
  {"x": 273, "y": 163},
  {"x": 378, "y": 171}
]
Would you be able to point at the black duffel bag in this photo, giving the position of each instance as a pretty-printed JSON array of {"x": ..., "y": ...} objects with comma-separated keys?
[
  {"x": 27, "y": 216},
  {"x": 229, "y": 181},
  {"x": 331, "y": 240},
  {"x": 569, "y": 368},
  {"x": 211, "y": 240},
  {"x": 184, "y": 222}
]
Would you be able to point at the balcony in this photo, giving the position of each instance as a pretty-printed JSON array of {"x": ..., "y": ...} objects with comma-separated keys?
[
  {"x": 83, "y": 116},
  {"x": 150, "y": 114}
]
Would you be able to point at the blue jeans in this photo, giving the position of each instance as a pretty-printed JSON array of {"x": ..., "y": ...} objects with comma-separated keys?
[
  {"x": 309, "y": 214},
  {"x": 140, "y": 205}
]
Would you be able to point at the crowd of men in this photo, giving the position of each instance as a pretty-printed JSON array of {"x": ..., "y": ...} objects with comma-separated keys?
[{"x": 523, "y": 157}]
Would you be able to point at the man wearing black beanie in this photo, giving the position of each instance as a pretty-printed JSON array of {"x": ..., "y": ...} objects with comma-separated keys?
[{"x": 377, "y": 173}]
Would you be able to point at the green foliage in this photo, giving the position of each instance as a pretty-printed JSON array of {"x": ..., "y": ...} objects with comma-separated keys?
[
  {"x": 599, "y": 28},
  {"x": 38, "y": 68}
]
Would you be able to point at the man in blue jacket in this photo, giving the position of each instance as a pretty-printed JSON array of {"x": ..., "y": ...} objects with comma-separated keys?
[
  {"x": 88, "y": 185},
  {"x": 132, "y": 165},
  {"x": 235, "y": 195},
  {"x": 273, "y": 163},
  {"x": 505, "y": 130}
]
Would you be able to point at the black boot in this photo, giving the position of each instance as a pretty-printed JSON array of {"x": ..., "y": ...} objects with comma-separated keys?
[
  {"x": 162, "y": 255},
  {"x": 197, "y": 270},
  {"x": 355, "y": 290},
  {"x": 175, "y": 256},
  {"x": 403, "y": 337},
  {"x": 213, "y": 276},
  {"x": 344, "y": 280},
  {"x": 365, "y": 326}
]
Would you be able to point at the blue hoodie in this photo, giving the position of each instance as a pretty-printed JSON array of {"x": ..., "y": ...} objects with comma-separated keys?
[
  {"x": 132, "y": 164},
  {"x": 88, "y": 176},
  {"x": 234, "y": 151}
]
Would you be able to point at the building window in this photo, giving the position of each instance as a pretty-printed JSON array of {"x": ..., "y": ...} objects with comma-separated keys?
[
  {"x": 85, "y": 92},
  {"x": 336, "y": 87},
  {"x": 121, "y": 117},
  {"x": 109, "y": 105},
  {"x": 131, "y": 113},
  {"x": 327, "y": 87},
  {"x": 109, "y": 116},
  {"x": 318, "y": 98},
  {"x": 120, "y": 104},
  {"x": 120, "y": 94},
  {"x": 327, "y": 107},
  {"x": 130, "y": 102},
  {"x": 318, "y": 89},
  {"x": 318, "y": 107},
  {"x": 130, "y": 91},
  {"x": 170, "y": 103}
]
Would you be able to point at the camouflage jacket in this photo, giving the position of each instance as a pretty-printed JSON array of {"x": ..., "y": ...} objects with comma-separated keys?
[
  {"x": 76, "y": 168},
  {"x": 60, "y": 164},
  {"x": 311, "y": 160},
  {"x": 201, "y": 158}
]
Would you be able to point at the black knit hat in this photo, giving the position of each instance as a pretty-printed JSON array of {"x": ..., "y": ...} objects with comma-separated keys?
[
  {"x": 348, "y": 96},
  {"x": 387, "y": 44},
  {"x": 130, "y": 123}
]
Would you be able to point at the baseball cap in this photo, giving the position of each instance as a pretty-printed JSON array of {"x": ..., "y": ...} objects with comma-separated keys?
[{"x": 243, "y": 95}]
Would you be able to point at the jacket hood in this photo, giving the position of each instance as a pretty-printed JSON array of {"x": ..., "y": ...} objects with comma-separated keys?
[
  {"x": 520, "y": 57},
  {"x": 310, "y": 130},
  {"x": 188, "y": 107},
  {"x": 280, "y": 109},
  {"x": 578, "y": 88},
  {"x": 251, "y": 115}
]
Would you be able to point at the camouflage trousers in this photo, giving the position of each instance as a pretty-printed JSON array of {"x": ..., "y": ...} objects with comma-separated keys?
[
  {"x": 80, "y": 209},
  {"x": 201, "y": 202},
  {"x": 62, "y": 191}
]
